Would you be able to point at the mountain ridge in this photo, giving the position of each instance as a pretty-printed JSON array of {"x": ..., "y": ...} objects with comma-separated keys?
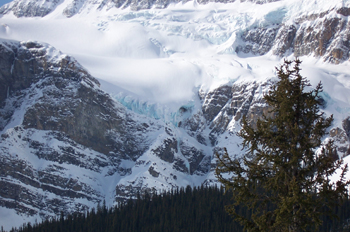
[
  {"x": 173, "y": 85},
  {"x": 41, "y": 8}
]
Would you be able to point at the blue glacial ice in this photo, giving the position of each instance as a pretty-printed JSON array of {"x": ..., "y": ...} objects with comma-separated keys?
[{"x": 157, "y": 111}]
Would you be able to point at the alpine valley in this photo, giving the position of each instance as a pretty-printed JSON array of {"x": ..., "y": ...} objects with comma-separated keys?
[{"x": 101, "y": 100}]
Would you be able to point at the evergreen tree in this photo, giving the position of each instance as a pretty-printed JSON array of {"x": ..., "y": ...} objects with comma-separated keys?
[{"x": 283, "y": 180}]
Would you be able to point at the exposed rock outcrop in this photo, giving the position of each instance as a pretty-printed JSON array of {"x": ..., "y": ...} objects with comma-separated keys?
[
  {"x": 324, "y": 35},
  {"x": 66, "y": 145},
  {"x": 36, "y": 8},
  {"x": 53, "y": 113}
]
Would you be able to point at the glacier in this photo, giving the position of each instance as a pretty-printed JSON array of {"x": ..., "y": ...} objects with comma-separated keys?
[{"x": 173, "y": 70}]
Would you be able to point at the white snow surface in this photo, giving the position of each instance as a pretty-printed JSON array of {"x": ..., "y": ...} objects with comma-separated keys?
[
  {"x": 155, "y": 61},
  {"x": 165, "y": 56}
]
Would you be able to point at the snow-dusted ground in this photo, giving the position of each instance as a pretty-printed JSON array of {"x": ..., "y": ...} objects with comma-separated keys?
[{"x": 155, "y": 61}]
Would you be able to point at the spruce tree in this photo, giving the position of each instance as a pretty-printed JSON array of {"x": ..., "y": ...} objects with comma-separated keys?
[{"x": 283, "y": 180}]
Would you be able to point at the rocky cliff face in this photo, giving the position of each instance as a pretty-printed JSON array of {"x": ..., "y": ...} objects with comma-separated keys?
[
  {"x": 67, "y": 145},
  {"x": 54, "y": 119},
  {"x": 325, "y": 34},
  {"x": 40, "y": 8}
]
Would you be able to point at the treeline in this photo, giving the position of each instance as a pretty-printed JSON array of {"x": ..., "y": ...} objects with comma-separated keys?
[
  {"x": 189, "y": 209},
  {"x": 186, "y": 210}
]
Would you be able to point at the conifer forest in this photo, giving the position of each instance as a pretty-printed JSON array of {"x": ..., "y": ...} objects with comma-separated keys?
[{"x": 186, "y": 210}]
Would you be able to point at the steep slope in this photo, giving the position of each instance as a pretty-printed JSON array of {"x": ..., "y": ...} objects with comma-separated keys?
[
  {"x": 66, "y": 145},
  {"x": 323, "y": 34},
  {"x": 40, "y": 8},
  {"x": 58, "y": 132},
  {"x": 173, "y": 85},
  {"x": 321, "y": 30}
]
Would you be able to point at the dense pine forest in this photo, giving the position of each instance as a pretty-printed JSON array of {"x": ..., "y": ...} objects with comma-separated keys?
[{"x": 186, "y": 210}]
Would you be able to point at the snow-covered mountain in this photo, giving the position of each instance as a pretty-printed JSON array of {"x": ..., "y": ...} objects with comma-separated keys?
[
  {"x": 40, "y": 8},
  {"x": 100, "y": 100}
]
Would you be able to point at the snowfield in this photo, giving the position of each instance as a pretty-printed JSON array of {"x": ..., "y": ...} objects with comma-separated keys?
[
  {"x": 163, "y": 55},
  {"x": 158, "y": 60}
]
